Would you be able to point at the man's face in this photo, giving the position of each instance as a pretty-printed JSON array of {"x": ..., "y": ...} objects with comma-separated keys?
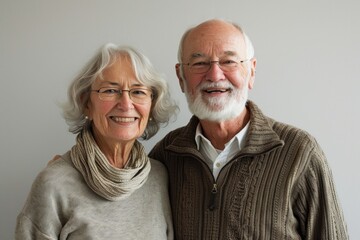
[{"x": 220, "y": 93}]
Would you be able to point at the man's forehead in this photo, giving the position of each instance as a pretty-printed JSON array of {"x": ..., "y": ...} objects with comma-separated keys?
[
  {"x": 220, "y": 54},
  {"x": 219, "y": 45},
  {"x": 214, "y": 48}
]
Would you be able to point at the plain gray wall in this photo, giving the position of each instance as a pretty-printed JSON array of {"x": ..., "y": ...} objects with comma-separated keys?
[{"x": 307, "y": 75}]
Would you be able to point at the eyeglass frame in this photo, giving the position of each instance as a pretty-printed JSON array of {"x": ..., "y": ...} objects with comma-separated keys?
[
  {"x": 119, "y": 93},
  {"x": 218, "y": 62}
]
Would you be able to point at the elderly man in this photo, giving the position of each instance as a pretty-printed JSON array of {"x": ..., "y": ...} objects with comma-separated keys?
[{"x": 234, "y": 172}]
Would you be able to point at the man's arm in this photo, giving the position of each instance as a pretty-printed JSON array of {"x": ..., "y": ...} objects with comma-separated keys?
[{"x": 316, "y": 203}]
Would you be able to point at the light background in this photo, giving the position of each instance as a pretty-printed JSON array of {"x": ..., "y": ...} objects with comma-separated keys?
[{"x": 307, "y": 75}]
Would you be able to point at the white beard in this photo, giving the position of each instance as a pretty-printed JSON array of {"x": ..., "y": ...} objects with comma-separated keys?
[{"x": 218, "y": 108}]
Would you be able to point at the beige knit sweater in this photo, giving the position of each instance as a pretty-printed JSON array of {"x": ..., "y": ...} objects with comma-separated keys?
[{"x": 61, "y": 206}]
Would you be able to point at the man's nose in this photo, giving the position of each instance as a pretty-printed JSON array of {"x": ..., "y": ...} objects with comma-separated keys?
[{"x": 215, "y": 73}]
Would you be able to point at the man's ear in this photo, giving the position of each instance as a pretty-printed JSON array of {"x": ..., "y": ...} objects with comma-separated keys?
[
  {"x": 252, "y": 73},
  {"x": 178, "y": 74}
]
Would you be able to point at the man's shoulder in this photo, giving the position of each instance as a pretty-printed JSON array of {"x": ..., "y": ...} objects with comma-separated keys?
[
  {"x": 281, "y": 128},
  {"x": 175, "y": 132},
  {"x": 173, "y": 136},
  {"x": 288, "y": 129}
]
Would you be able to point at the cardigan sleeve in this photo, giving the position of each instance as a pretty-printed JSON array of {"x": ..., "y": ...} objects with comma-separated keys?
[{"x": 315, "y": 202}]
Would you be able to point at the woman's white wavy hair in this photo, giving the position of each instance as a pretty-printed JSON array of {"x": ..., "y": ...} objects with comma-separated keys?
[{"x": 163, "y": 106}]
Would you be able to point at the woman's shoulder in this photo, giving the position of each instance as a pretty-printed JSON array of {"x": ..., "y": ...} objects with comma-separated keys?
[
  {"x": 157, "y": 166},
  {"x": 56, "y": 173},
  {"x": 59, "y": 166},
  {"x": 158, "y": 170}
]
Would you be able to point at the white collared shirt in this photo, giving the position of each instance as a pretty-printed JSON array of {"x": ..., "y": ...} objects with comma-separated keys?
[{"x": 216, "y": 158}]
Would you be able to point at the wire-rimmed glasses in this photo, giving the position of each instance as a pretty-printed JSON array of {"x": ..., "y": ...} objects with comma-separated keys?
[
  {"x": 203, "y": 66},
  {"x": 137, "y": 95}
]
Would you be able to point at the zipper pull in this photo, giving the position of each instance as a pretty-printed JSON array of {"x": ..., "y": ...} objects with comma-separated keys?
[{"x": 212, "y": 205}]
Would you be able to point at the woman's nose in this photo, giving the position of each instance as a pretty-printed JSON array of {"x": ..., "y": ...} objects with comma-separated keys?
[{"x": 124, "y": 100}]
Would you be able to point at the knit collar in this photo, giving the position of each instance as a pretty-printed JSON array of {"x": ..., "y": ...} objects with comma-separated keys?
[
  {"x": 237, "y": 140},
  {"x": 260, "y": 137},
  {"x": 105, "y": 180}
]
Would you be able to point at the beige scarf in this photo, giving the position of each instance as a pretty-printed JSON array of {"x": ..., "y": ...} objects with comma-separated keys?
[{"x": 104, "y": 179}]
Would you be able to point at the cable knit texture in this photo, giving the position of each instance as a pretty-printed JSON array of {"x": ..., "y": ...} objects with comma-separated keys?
[{"x": 279, "y": 186}]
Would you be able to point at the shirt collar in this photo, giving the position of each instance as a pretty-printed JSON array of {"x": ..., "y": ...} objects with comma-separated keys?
[{"x": 238, "y": 139}]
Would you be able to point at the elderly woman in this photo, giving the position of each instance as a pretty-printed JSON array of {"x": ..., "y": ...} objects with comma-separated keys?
[{"x": 106, "y": 187}]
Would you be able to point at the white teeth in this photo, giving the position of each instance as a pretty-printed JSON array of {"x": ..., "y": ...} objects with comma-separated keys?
[
  {"x": 218, "y": 90},
  {"x": 122, "y": 119}
]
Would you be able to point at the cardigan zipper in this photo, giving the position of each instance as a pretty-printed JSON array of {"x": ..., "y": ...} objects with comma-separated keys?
[
  {"x": 214, "y": 190},
  {"x": 212, "y": 205}
]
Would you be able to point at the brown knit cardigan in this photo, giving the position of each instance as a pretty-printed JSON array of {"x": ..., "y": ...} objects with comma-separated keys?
[{"x": 279, "y": 186}]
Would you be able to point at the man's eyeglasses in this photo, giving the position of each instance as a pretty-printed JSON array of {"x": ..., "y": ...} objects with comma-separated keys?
[
  {"x": 226, "y": 65},
  {"x": 137, "y": 95}
]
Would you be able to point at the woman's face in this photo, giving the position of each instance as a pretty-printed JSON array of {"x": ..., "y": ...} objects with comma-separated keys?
[{"x": 120, "y": 119}]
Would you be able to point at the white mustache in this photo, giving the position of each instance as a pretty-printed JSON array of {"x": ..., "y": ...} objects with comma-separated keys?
[{"x": 225, "y": 85}]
